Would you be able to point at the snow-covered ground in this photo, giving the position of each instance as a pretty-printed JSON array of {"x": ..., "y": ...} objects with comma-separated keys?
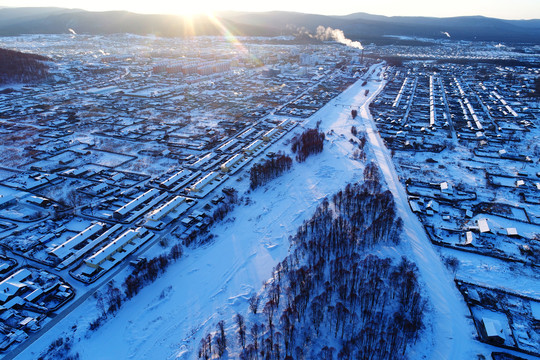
[{"x": 167, "y": 319}]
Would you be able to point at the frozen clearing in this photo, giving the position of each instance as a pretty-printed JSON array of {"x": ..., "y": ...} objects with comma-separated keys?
[{"x": 167, "y": 319}]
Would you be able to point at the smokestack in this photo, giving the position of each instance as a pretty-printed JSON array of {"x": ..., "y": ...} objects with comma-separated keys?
[{"x": 362, "y": 58}]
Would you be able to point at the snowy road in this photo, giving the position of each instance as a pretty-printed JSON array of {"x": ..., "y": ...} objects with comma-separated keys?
[{"x": 452, "y": 334}]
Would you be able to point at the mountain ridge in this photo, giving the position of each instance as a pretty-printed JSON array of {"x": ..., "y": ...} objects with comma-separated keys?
[{"x": 17, "y": 21}]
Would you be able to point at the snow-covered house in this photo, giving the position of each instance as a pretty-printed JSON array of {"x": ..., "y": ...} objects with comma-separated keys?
[
  {"x": 13, "y": 285},
  {"x": 483, "y": 226},
  {"x": 446, "y": 187},
  {"x": 433, "y": 206},
  {"x": 7, "y": 200},
  {"x": 493, "y": 330}
]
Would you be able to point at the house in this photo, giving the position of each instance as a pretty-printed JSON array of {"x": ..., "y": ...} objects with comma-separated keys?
[
  {"x": 124, "y": 210},
  {"x": 63, "y": 250},
  {"x": 432, "y": 205},
  {"x": 117, "y": 245},
  {"x": 165, "y": 209},
  {"x": 167, "y": 184},
  {"x": 7, "y": 200},
  {"x": 13, "y": 285},
  {"x": 207, "y": 179},
  {"x": 493, "y": 330},
  {"x": 254, "y": 146},
  {"x": 414, "y": 206},
  {"x": 483, "y": 226},
  {"x": 511, "y": 231},
  {"x": 270, "y": 134},
  {"x": 473, "y": 296},
  {"x": 446, "y": 187},
  {"x": 469, "y": 237},
  {"x": 285, "y": 123},
  {"x": 227, "y": 165}
]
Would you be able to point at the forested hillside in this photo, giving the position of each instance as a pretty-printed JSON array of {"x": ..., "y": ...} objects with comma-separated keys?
[{"x": 18, "y": 67}]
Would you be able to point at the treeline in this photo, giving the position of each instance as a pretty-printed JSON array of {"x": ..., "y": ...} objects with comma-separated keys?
[
  {"x": 329, "y": 299},
  {"x": 16, "y": 66},
  {"x": 263, "y": 172},
  {"x": 309, "y": 142}
]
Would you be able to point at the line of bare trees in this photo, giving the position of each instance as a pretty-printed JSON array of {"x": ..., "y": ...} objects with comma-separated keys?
[
  {"x": 263, "y": 172},
  {"x": 309, "y": 142}
]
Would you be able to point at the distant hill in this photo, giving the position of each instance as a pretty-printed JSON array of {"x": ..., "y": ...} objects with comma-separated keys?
[
  {"x": 15, "y": 21},
  {"x": 361, "y": 25},
  {"x": 18, "y": 67}
]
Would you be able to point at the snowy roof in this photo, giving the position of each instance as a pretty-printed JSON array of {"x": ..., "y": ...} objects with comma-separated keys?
[
  {"x": 34, "y": 294},
  {"x": 511, "y": 231},
  {"x": 493, "y": 328},
  {"x": 100, "y": 256},
  {"x": 483, "y": 225},
  {"x": 13, "y": 283},
  {"x": 468, "y": 237},
  {"x": 414, "y": 206},
  {"x": 15, "y": 301},
  {"x": 432, "y": 204},
  {"x": 473, "y": 295}
]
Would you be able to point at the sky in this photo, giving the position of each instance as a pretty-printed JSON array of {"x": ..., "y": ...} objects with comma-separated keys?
[{"x": 505, "y": 9}]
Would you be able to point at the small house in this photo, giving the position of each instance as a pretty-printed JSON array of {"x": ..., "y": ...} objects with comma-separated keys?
[{"x": 493, "y": 330}]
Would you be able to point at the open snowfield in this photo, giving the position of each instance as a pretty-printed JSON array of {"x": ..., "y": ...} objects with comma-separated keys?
[{"x": 167, "y": 319}]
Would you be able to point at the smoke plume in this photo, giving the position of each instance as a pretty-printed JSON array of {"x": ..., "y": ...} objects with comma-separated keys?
[{"x": 325, "y": 34}]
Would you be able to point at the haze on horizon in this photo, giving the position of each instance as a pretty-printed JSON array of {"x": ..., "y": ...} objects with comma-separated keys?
[{"x": 519, "y": 9}]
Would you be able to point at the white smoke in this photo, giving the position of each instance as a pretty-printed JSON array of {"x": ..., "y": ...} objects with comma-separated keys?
[
  {"x": 325, "y": 34},
  {"x": 72, "y": 31}
]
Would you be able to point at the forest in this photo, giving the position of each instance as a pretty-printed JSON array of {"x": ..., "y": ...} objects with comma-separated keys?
[
  {"x": 18, "y": 67},
  {"x": 330, "y": 298}
]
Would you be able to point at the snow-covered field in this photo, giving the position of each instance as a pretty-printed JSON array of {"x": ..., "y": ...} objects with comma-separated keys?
[{"x": 167, "y": 318}]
